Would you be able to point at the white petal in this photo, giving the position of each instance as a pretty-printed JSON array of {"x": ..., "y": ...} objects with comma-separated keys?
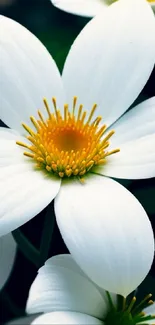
[
  {"x": 10, "y": 153},
  {"x": 28, "y": 73},
  {"x": 104, "y": 227},
  {"x": 8, "y": 134},
  {"x": 149, "y": 311},
  {"x": 136, "y": 160},
  {"x": 109, "y": 62},
  {"x": 61, "y": 285},
  {"x": 66, "y": 318},
  {"x": 68, "y": 262},
  {"x": 24, "y": 320},
  {"x": 87, "y": 8},
  {"x": 7, "y": 256},
  {"x": 24, "y": 191},
  {"x": 138, "y": 122}
]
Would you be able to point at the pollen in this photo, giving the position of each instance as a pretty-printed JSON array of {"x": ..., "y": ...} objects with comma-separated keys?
[{"x": 69, "y": 143}]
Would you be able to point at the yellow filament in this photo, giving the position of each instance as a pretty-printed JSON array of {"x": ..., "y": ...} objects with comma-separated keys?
[{"x": 65, "y": 144}]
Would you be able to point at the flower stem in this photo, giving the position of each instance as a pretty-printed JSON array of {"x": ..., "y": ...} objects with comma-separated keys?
[
  {"x": 17, "y": 312},
  {"x": 110, "y": 300},
  {"x": 47, "y": 235},
  {"x": 30, "y": 252}
]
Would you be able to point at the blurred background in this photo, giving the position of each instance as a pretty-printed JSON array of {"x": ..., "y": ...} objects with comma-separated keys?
[{"x": 56, "y": 30}]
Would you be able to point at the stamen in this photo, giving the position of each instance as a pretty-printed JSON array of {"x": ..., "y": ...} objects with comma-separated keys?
[
  {"x": 124, "y": 303},
  {"x": 108, "y": 136},
  {"x": 109, "y": 153},
  {"x": 124, "y": 313},
  {"x": 131, "y": 304},
  {"x": 41, "y": 117},
  {"x": 74, "y": 104},
  {"x": 34, "y": 123},
  {"x": 47, "y": 107},
  {"x": 142, "y": 303},
  {"x": 97, "y": 121},
  {"x": 28, "y": 154},
  {"x": 22, "y": 144},
  {"x": 92, "y": 113},
  {"x": 65, "y": 144},
  {"x": 40, "y": 159},
  {"x": 83, "y": 117},
  {"x": 28, "y": 129},
  {"x": 79, "y": 112},
  {"x": 65, "y": 111},
  {"x": 55, "y": 106}
]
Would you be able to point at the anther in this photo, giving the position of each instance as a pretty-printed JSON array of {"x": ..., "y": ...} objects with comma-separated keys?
[
  {"x": 65, "y": 112},
  {"x": 28, "y": 154},
  {"x": 55, "y": 106},
  {"x": 48, "y": 168},
  {"x": 82, "y": 172},
  {"x": 33, "y": 120},
  {"x": 79, "y": 112},
  {"x": 68, "y": 172},
  {"x": 41, "y": 117},
  {"x": 96, "y": 122},
  {"x": 28, "y": 129},
  {"x": 143, "y": 303},
  {"x": 40, "y": 159},
  {"x": 74, "y": 104},
  {"x": 61, "y": 174},
  {"x": 83, "y": 117},
  {"x": 101, "y": 132},
  {"x": 150, "y": 302},
  {"x": 54, "y": 167},
  {"x": 92, "y": 113},
  {"x": 82, "y": 180},
  {"x": 47, "y": 107},
  {"x": 22, "y": 144},
  {"x": 109, "y": 135},
  {"x": 48, "y": 160},
  {"x": 131, "y": 304},
  {"x": 109, "y": 153}
]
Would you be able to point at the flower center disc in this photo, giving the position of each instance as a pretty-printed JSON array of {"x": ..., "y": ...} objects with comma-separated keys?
[
  {"x": 68, "y": 144},
  {"x": 69, "y": 139}
]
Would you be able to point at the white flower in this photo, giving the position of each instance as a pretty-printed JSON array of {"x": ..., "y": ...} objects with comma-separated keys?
[
  {"x": 66, "y": 296},
  {"x": 104, "y": 66},
  {"x": 7, "y": 257},
  {"x": 87, "y": 8}
]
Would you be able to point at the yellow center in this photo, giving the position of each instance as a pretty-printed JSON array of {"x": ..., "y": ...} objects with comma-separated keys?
[{"x": 69, "y": 144}]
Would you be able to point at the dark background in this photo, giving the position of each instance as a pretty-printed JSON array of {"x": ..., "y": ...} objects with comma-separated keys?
[{"x": 56, "y": 30}]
